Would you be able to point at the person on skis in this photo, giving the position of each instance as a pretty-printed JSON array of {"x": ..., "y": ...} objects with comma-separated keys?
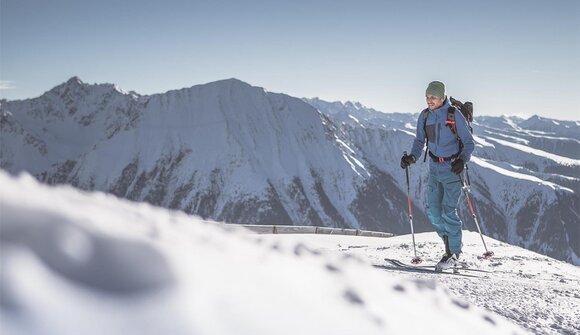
[{"x": 448, "y": 153}]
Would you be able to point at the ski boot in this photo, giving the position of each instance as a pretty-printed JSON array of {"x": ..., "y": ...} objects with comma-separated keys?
[{"x": 448, "y": 260}]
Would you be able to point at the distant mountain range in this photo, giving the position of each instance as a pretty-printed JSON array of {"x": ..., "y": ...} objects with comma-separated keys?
[{"x": 237, "y": 153}]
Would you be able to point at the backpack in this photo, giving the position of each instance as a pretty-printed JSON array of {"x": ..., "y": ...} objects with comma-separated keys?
[{"x": 466, "y": 109}]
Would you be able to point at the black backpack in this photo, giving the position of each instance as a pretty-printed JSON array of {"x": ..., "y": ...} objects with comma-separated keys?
[{"x": 466, "y": 108}]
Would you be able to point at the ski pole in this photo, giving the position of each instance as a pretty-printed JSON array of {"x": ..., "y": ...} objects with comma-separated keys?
[
  {"x": 487, "y": 254},
  {"x": 415, "y": 260}
]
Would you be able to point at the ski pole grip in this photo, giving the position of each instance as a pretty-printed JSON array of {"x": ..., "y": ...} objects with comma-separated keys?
[{"x": 407, "y": 175}]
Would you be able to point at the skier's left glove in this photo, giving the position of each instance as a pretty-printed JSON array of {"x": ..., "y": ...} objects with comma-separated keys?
[
  {"x": 407, "y": 160},
  {"x": 457, "y": 166}
]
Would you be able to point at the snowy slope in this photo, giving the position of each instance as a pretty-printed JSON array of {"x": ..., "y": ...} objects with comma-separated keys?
[
  {"x": 88, "y": 263},
  {"x": 536, "y": 292},
  {"x": 525, "y": 182},
  {"x": 229, "y": 151},
  {"x": 225, "y": 150},
  {"x": 67, "y": 122}
]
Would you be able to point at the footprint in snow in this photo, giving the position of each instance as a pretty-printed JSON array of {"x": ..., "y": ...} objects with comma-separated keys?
[
  {"x": 351, "y": 296},
  {"x": 93, "y": 259}
]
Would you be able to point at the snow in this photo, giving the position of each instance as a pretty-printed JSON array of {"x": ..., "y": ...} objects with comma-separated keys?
[
  {"x": 511, "y": 123},
  {"x": 406, "y": 132},
  {"x": 88, "y": 263},
  {"x": 522, "y": 176},
  {"x": 532, "y": 134},
  {"x": 344, "y": 145},
  {"x": 481, "y": 142},
  {"x": 354, "y": 119},
  {"x": 536, "y": 152},
  {"x": 512, "y": 138},
  {"x": 249, "y": 136},
  {"x": 534, "y": 291},
  {"x": 236, "y": 143}
]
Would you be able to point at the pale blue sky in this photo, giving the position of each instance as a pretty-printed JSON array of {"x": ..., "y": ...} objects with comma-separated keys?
[{"x": 509, "y": 57}]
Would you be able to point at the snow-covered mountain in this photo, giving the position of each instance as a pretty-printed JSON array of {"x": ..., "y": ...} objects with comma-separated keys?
[
  {"x": 224, "y": 150},
  {"x": 232, "y": 152},
  {"x": 89, "y": 263},
  {"x": 525, "y": 181}
]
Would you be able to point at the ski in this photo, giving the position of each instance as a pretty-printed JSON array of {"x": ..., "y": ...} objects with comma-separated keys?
[
  {"x": 426, "y": 269},
  {"x": 462, "y": 267}
]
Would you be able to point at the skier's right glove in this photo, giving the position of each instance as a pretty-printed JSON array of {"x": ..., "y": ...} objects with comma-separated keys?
[{"x": 407, "y": 160}]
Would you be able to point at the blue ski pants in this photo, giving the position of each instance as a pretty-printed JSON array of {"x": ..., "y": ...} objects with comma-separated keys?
[{"x": 444, "y": 190}]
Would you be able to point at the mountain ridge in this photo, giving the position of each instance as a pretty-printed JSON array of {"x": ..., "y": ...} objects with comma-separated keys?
[{"x": 234, "y": 152}]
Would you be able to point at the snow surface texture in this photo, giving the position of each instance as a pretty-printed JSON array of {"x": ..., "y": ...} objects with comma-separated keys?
[
  {"x": 89, "y": 263},
  {"x": 539, "y": 293},
  {"x": 232, "y": 152}
]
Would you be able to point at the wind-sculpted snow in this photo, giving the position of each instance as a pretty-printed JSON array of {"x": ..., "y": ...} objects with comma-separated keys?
[
  {"x": 89, "y": 263},
  {"x": 232, "y": 152}
]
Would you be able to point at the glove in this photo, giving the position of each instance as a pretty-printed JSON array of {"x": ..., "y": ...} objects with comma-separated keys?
[
  {"x": 457, "y": 166},
  {"x": 407, "y": 160}
]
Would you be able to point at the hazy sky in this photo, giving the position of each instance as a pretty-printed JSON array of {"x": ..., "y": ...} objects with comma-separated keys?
[{"x": 508, "y": 57}]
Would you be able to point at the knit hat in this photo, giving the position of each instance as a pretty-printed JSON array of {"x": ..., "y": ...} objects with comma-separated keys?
[{"x": 436, "y": 88}]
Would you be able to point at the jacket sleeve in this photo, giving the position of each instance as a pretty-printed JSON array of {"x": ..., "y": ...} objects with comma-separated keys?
[
  {"x": 419, "y": 141},
  {"x": 465, "y": 136}
]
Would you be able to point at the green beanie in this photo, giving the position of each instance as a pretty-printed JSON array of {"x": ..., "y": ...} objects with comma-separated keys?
[{"x": 437, "y": 89}]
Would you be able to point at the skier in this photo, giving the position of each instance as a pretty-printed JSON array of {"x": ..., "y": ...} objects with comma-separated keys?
[{"x": 449, "y": 154}]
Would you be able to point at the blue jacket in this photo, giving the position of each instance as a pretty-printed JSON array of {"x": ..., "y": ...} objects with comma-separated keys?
[{"x": 442, "y": 142}]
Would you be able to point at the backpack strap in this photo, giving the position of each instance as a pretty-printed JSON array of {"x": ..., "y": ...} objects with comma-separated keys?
[{"x": 450, "y": 122}]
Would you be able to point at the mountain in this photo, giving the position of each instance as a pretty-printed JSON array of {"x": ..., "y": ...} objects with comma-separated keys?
[
  {"x": 224, "y": 150},
  {"x": 139, "y": 269},
  {"x": 525, "y": 182},
  {"x": 232, "y": 152}
]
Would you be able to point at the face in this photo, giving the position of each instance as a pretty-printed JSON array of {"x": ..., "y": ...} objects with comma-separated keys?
[{"x": 433, "y": 102}]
